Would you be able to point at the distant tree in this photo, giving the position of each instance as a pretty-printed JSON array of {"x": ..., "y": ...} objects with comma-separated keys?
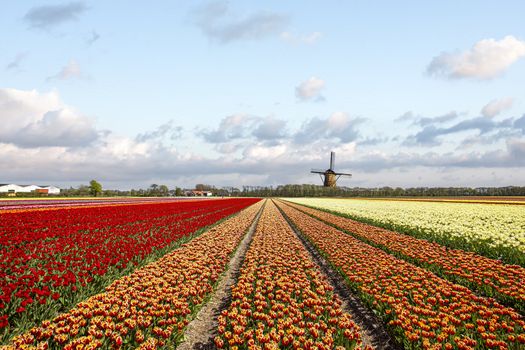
[
  {"x": 178, "y": 191},
  {"x": 204, "y": 187},
  {"x": 163, "y": 190},
  {"x": 83, "y": 190},
  {"x": 113, "y": 193},
  {"x": 153, "y": 190},
  {"x": 95, "y": 188}
]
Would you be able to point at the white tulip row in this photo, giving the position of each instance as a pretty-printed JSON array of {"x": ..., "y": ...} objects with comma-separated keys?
[{"x": 495, "y": 226}]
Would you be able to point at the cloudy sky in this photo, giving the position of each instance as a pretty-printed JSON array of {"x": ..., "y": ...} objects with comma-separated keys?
[{"x": 408, "y": 93}]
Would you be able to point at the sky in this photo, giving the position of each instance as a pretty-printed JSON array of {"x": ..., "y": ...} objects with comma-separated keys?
[{"x": 407, "y": 93}]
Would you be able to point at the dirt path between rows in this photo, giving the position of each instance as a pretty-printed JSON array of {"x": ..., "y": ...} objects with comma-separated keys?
[
  {"x": 200, "y": 332},
  {"x": 373, "y": 331}
]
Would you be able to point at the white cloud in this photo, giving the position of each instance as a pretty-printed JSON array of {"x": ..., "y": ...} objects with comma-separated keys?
[
  {"x": 128, "y": 163},
  {"x": 243, "y": 126},
  {"x": 270, "y": 129},
  {"x": 124, "y": 148},
  {"x": 40, "y": 132},
  {"x": 495, "y": 107},
  {"x": 16, "y": 62},
  {"x": 236, "y": 131},
  {"x": 218, "y": 23},
  {"x": 436, "y": 131},
  {"x": 93, "y": 37},
  {"x": 259, "y": 152},
  {"x": 308, "y": 39},
  {"x": 63, "y": 127},
  {"x": 519, "y": 124},
  {"x": 69, "y": 71},
  {"x": 339, "y": 126},
  {"x": 166, "y": 130},
  {"x": 33, "y": 119},
  {"x": 310, "y": 89},
  {"x": 229, "y": 147},
  {"x": 487, "y": 59},
  {"x": 47, "y": 16},
  {"x": 338, "y": 121},
  {"x": 516, "y": 148},
  {"x": 230, "y": 128}
]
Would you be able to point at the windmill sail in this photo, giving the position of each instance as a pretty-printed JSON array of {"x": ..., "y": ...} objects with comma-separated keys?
[{"x": 318, "y": 171}]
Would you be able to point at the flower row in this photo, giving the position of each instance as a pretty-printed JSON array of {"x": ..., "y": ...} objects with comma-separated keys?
[
  {"x": 23, "y": 227},
  {"x": 422, "y": 310},
  {"x": 150, "y": 307},
  {"x": 281, "y": 299},
  {"x": 496, "y": 231},
  {"x": 39, "y": 204},
  {"x": 491, "y": 277}
]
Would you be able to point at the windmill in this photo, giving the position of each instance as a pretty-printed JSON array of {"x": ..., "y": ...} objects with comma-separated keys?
[{"x": 330, "y": 176}]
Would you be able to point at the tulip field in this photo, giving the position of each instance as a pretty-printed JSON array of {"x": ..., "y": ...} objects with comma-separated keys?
[
  {"x": 489, "y": 277},
  {"x": 496, "y": 231},
  {"x": 420, "y": 309},
  {"x": 52, "y": 259},
  {"x": 300, "y": 273}
]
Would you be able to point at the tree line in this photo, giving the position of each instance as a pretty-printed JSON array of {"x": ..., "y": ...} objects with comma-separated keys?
[
  {"x": 154, "y": 190},
  {"x": 307, "y": 190}
]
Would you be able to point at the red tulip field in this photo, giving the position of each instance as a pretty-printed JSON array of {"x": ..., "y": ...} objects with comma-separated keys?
[{"x": 51, "y": 259}]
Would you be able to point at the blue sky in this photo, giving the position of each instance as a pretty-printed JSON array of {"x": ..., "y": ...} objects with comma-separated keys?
[{"x": 256, "y": 93}]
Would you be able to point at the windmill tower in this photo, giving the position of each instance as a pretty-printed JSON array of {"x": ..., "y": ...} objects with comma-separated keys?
[{"x": 329, "y": 176}]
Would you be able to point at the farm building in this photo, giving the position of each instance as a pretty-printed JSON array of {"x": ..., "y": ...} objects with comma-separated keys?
[
  {"x": 13, "y": 188},
  {"x": 197, "y": 193}
]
